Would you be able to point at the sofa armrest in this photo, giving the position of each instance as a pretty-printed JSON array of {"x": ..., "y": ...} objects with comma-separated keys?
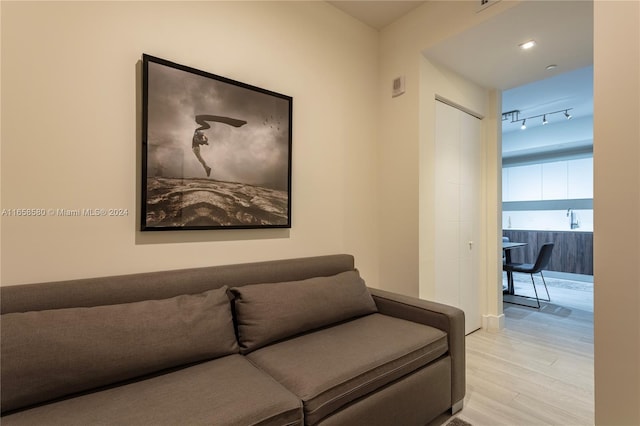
[{"x": 443, "y": 317}]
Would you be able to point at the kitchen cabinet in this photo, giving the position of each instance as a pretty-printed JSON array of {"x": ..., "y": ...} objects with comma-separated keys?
[
  {"x": 524, "y": 183},
  {"x": 572, "y": 251},
  {"x": 554, "y": 181},
  {"x": 580, "y": 178},
  {"x": 558, "y": 180}
]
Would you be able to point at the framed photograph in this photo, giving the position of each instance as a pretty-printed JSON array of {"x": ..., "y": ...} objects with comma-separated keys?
[{"x": 216, "y": 153}]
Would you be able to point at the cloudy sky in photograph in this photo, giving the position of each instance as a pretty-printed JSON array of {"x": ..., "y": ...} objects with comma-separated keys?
[{"x": 256, "y": 153}]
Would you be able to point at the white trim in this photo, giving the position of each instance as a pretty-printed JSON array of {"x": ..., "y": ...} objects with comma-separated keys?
[
  {"x": 493, "y": 322},
  {"x": 459, "y": 107}
]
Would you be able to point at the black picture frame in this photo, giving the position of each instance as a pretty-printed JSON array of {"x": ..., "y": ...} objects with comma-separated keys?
[{"x": 216, "y": 153}]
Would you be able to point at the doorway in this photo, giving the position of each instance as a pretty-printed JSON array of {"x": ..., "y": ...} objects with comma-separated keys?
[{"x": 547, "y": 180}]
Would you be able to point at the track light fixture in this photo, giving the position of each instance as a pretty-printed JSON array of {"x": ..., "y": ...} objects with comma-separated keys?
[{"x": 514, "y": 116}]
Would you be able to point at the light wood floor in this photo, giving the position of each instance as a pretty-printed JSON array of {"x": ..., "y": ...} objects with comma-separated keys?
[{"x": 538, "y": 370}]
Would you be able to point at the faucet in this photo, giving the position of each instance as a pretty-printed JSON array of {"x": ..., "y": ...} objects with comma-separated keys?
[{"x": 574, "y": 223}]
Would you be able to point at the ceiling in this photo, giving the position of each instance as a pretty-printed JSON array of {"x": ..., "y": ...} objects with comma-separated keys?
[
  {"x": 572, "y": 90},
  {"x": 376, "y": 14},
  {"x": 488, "y": 53}
]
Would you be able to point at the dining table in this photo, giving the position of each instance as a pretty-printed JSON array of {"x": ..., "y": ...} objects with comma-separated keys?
[{"x": 507, "y": 246}]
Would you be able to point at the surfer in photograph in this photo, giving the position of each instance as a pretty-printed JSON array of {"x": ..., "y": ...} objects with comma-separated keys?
[{"x": 199, "y": 138}]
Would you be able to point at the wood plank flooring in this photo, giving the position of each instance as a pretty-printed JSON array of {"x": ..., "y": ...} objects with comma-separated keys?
[{"x": 538, "y": 370}]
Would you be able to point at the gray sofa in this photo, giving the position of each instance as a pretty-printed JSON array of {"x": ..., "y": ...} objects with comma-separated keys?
[{"x": 288, "y": 342}]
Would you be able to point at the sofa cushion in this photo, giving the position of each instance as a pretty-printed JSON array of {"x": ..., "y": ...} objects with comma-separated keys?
[
  {"x": 225, "y": 391},
  {"x": 330, "y": 368},
  {"x": 413, "y": 400},
  {"x": 269, "y": 312},
  {"x": 52, "y": 353}
]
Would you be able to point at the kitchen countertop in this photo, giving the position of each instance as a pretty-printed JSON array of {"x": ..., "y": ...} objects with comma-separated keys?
[{"x": 549, "y": 230}]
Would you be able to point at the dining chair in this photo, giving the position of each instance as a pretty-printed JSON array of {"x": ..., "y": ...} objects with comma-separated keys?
[
  {"x": 504, "y": 240},
  {"x": 544, "y": 255}
]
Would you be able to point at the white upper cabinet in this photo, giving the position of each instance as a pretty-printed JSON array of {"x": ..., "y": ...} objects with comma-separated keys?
[
  {"x": 558, "y": 180},
  {"x": 525, "y": 183},
  {"x": 554, "y": 181},
  {"x": 580, "y": 178}
]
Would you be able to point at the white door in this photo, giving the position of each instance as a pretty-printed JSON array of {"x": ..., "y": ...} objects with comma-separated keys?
[{"x": 458, "y": 174}]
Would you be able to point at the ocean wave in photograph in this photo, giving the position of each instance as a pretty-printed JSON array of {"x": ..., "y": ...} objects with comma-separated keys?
[{"x": 185, "y": 202}]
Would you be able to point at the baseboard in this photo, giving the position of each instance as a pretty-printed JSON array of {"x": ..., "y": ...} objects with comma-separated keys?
[{"x": 493, "y": 322}]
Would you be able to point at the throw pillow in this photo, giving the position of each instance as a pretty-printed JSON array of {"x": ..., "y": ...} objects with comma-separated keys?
[
  {"x": 266, "y": 313},
  {"x": 53, "y": 353}
]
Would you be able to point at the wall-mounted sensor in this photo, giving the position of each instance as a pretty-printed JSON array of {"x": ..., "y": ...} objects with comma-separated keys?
[
  {"x": 485, "y": 4},
  {"x": 398, "y": 86}
]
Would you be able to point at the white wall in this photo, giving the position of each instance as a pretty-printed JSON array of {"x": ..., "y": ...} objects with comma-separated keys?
[
  {"x": 71, "y": 134},
  {"x": 70, "y": 116},
  {"x": 617, "y": 211},
  {"x": 407, "y": 193}
]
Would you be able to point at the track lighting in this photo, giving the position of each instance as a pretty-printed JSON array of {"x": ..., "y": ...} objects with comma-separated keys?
[{"x": 514, "y": 116}]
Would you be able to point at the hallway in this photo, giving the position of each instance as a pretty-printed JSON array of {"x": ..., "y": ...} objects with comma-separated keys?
[{"x": 539, "y": 369}]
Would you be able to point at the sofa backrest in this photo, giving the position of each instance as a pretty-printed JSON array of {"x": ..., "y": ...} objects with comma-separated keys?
[
  {"x": 53, "y": 353},
  {"x": 163, "y": 285},
  {"x": 60, "y": 338}
]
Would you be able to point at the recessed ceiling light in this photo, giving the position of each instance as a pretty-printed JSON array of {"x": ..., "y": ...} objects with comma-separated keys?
[
  {"x": 550, "y": 67},
  {"x": 527, "y": 45}
]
